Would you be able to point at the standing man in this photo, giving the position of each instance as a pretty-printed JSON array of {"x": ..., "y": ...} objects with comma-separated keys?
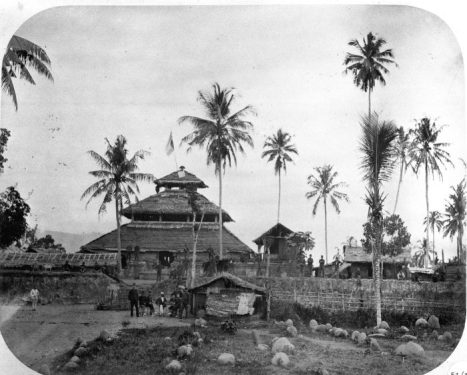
[
  {"x": 184, "y": 302},
  {"x": 34, "y": 294},
  {"x": 133, "y": 297},
  {"x": 161, "y": 302},
  {"x": 321, "y": 266},
  {"x": 310, "y": 265}
]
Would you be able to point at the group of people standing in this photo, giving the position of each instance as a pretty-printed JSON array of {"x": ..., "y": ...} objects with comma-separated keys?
[{"x": 143, "y": 303}]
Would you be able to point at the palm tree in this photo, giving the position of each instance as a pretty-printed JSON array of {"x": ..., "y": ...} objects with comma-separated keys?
[
  {"x": 426, "y": 150},
  {"x": 368, "y": 64},
  {"x": 20, "y": 55},
  {"x": 278, "y": 147},
  {"x": 324, "y": 187},
  {"x": 377, "y": 147},
  {"x": 434, "y": 220},
  {"x": 117, "y": 180},
  {"x": 402, "y": 149},
  {"x": 455, "y": 215},
  {"x": 223, "y": 133}
]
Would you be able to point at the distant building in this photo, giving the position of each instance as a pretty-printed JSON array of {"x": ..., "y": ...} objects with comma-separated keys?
[
  {"x": 357, "y": 260},
  {"x": 275, "y": 238},
  {"x": 160, "y": 234}
]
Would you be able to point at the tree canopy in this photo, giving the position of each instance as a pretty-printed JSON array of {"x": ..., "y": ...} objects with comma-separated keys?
[{"x": 13, "y": 213}]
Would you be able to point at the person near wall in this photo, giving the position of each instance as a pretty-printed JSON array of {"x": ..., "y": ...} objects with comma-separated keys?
[
  {"x": 161, "y": 302},
  {"x": 321, "y": 266},
  {"x": 34, "y": 294},
  {"x": 184, "y": 301},
  {"x": 310, "y": 265},
  {"x": 133, "y": 298},
  {"x": 159, "y": 272}
]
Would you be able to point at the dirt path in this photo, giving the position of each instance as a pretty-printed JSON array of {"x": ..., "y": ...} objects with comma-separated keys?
[{"x": 36, "y": 337}]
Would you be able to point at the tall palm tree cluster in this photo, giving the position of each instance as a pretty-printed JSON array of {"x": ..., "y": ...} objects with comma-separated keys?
[{"x": 383, "y": 146}]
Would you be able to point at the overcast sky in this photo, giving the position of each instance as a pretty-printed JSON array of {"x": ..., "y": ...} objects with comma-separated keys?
[{"x": 135, "y": 70}]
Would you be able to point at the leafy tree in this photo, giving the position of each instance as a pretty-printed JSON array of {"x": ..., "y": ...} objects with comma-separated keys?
[
  {"x": 455, "y": 216},
  {"x": 13, "y": 213},
  {"x": 4, "y": 135},
  {"x": 117, "y": 180},
  {"x": 20, "y": 56},
  {"x": 324, "y": 186},
  {"x": 434, "y": 220},
  {"x": 223, "y": 133},
  {"x": 378, "y": 151},
  {"x": 303, "y": 241},
  {"x": 368, "y": 64},
  {"x": 427, "y": 151},
  {"x": 278, "y": 147},
  {"x": 395, "y": 236},
  {"x": 402, "y": 149}
]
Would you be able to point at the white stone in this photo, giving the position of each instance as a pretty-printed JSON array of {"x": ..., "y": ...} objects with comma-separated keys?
[
  {"x": 200, "y": 322},
  {"x": 382, "y": 331},
  {"x": 447, "y": 336},
  {"x": 433, "y": 322},
  {"x": 184, "y": 351},
  {"x": 374, "y": 345},
  {"x": 75, "y": 359},
  {"x": 361, "y": 339},
  {"x": 421, "y": 323},
  {"x": 408, "y": 338},
  {"x": 280, "y": 359},
  {"x": 104, "y": 335},
  {"x": 321, "y": 328},
  {"x": 226, "y": 359},
  {"x": 313, "y": 325},
  {"x": 292, "y": 331},
  {"x": 262, "y": 347},
  {"x": 282, "y": 344},
  {"x": 384, "y": 325},
  {"x": 289, "y": 322},
  {"x": 174, "y": 365},
  {"x": 409, "y": 349},
  {"x": 354, "y": 335},
  {"x": 328, "y": 326},
  {"x": 404, "y": 329}
]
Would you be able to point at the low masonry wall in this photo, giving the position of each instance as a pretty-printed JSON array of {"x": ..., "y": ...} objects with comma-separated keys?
[
  {"x": 348, "y": 295},
  {"x": 55, "y": 287}
]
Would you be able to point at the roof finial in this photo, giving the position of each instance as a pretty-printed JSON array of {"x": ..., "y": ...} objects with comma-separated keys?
[{"x": 181, "y": 172}]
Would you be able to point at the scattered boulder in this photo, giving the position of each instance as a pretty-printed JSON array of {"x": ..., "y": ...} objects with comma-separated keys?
[
  {"x": 433, "y": 322},
  {"x": 280, "y": 359},
  {"x": 409, "y": 349},
  {"x": 174, "y": 365},
  {"x": 167, "y": 339},
  {"x": 374, "y": 345},
  {"x": 421, "y": 323},
  {"x": 282, "y": 344},
  {"x": 321, "y": 328},
  {"x": 83, "y": 344},
  {"x": 409, "y": 337},
  {"x": 75, "y": 359},
  {"x": 81, "y": 351},
  {"x": 185, "y": 351},
  {"x": 44, "y": 369},
  {"x": 292, "y": 331},
  {"x": 382, "y": 331},
  {"x": 262, "y": 347},
  {"x": 104, "y": 335},
  {"x": 374, "y": 335},
  {"x": 354, "y": 335},
  {"x": 70, "y": 366},
  {"x": 447, "y": 336},
  {"x": 434, "y": 334},
  {"x": 200, "y": 322},
  {"x": 226, "y": 359},
  {"x": 361, "y": 339},
  {"x": 384, "y": 325},
  {"x": 339, "y": 332},
  {"x": 404, "y": 329},
  {"x": 289, "y": 322},
  {"x": 328, "y": 326},
  {"x": 313, "y": 325}
]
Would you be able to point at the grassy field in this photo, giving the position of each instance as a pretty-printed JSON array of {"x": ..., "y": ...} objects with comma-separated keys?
[{"x": 146, "y": 351}]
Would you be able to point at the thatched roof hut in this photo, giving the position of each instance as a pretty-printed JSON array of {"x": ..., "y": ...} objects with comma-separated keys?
[
  {"x": 276, "y": 238},
  {"x": 180, "y": 179},
  {"x": 359, "y": 255}
]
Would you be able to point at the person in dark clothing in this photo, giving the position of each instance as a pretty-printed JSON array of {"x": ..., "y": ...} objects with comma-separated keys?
[
  {"x": 159, "y": 271},
  {"x": 133, "y": 297},
  {"x": 162, "y": 303},
  {"x": 310, "y": 265},
  {"x": 184, "y": 301},
  {"x": 321, "y": 266}
]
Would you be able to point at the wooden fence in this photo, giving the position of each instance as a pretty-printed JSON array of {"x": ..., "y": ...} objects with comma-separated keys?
[{"x": 74, "y": 259}]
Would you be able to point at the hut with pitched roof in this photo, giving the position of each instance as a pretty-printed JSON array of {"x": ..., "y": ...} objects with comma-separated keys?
[{"x": 159, "y": 236}]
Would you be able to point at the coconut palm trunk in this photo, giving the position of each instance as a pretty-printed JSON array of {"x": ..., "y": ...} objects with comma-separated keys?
[
  {"x": 119, "y": 240},
  {"x": 279, "y": 199},
  {"x": 427, "y": 209},
  {"x": 377, "y": 282},
  {"x": 220, "y": 209},
  {"x": 401, "y": 173},
  {"x": 325, "y": 227}
]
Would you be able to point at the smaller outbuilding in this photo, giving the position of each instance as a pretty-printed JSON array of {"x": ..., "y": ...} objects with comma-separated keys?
[{"x": 226, "y": 295}]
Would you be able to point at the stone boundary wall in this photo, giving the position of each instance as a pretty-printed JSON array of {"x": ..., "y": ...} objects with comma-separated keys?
[
  {"x": 337, "y": 294},
  {"x": 55, "y": 287}
]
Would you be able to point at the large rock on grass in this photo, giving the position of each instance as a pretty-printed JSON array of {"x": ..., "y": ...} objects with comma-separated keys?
[
  {"x": 226, "y": 359},
  {"x": 70, "y": 366},
  {"x": 408, "y": 338},
  {"x": 280, "y": 359},
  {"x": 289, "y": 322},
  {"x": 354, "y": 336},
  {"x": 174, "y": 365},
  {"x": 328, "y": 326},
  {"x": 313, "y": 325},
  {"x": 339, "y": 332},
  {"x": 185, "y": 351},
  {"x": 262, "y": 347},
  {"x": 433, "y": 322},
  {"x": 282, "y": 344},
  {"x": 292, "y": 331},
  {"x": 410, "y": 349},
  {"x": 446, "y": 336},
  {"x": 361, "y": 339},
  {"x": 200, "y": 322},
  {"x": 81, "y": 351},
  {"x": 75, "y": 359},
  {"x": 384, "y": 325},
  {"x": 422, "y": 323},
  {"x": 382, "y": 331},
  {"x": 104, "y": 335},
  {"x": 321, "y": 328},
  {"x": 404, "y": 329}
]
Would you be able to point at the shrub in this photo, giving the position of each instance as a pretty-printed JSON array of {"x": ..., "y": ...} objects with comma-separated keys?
[{"x": 229, "y": 326}]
